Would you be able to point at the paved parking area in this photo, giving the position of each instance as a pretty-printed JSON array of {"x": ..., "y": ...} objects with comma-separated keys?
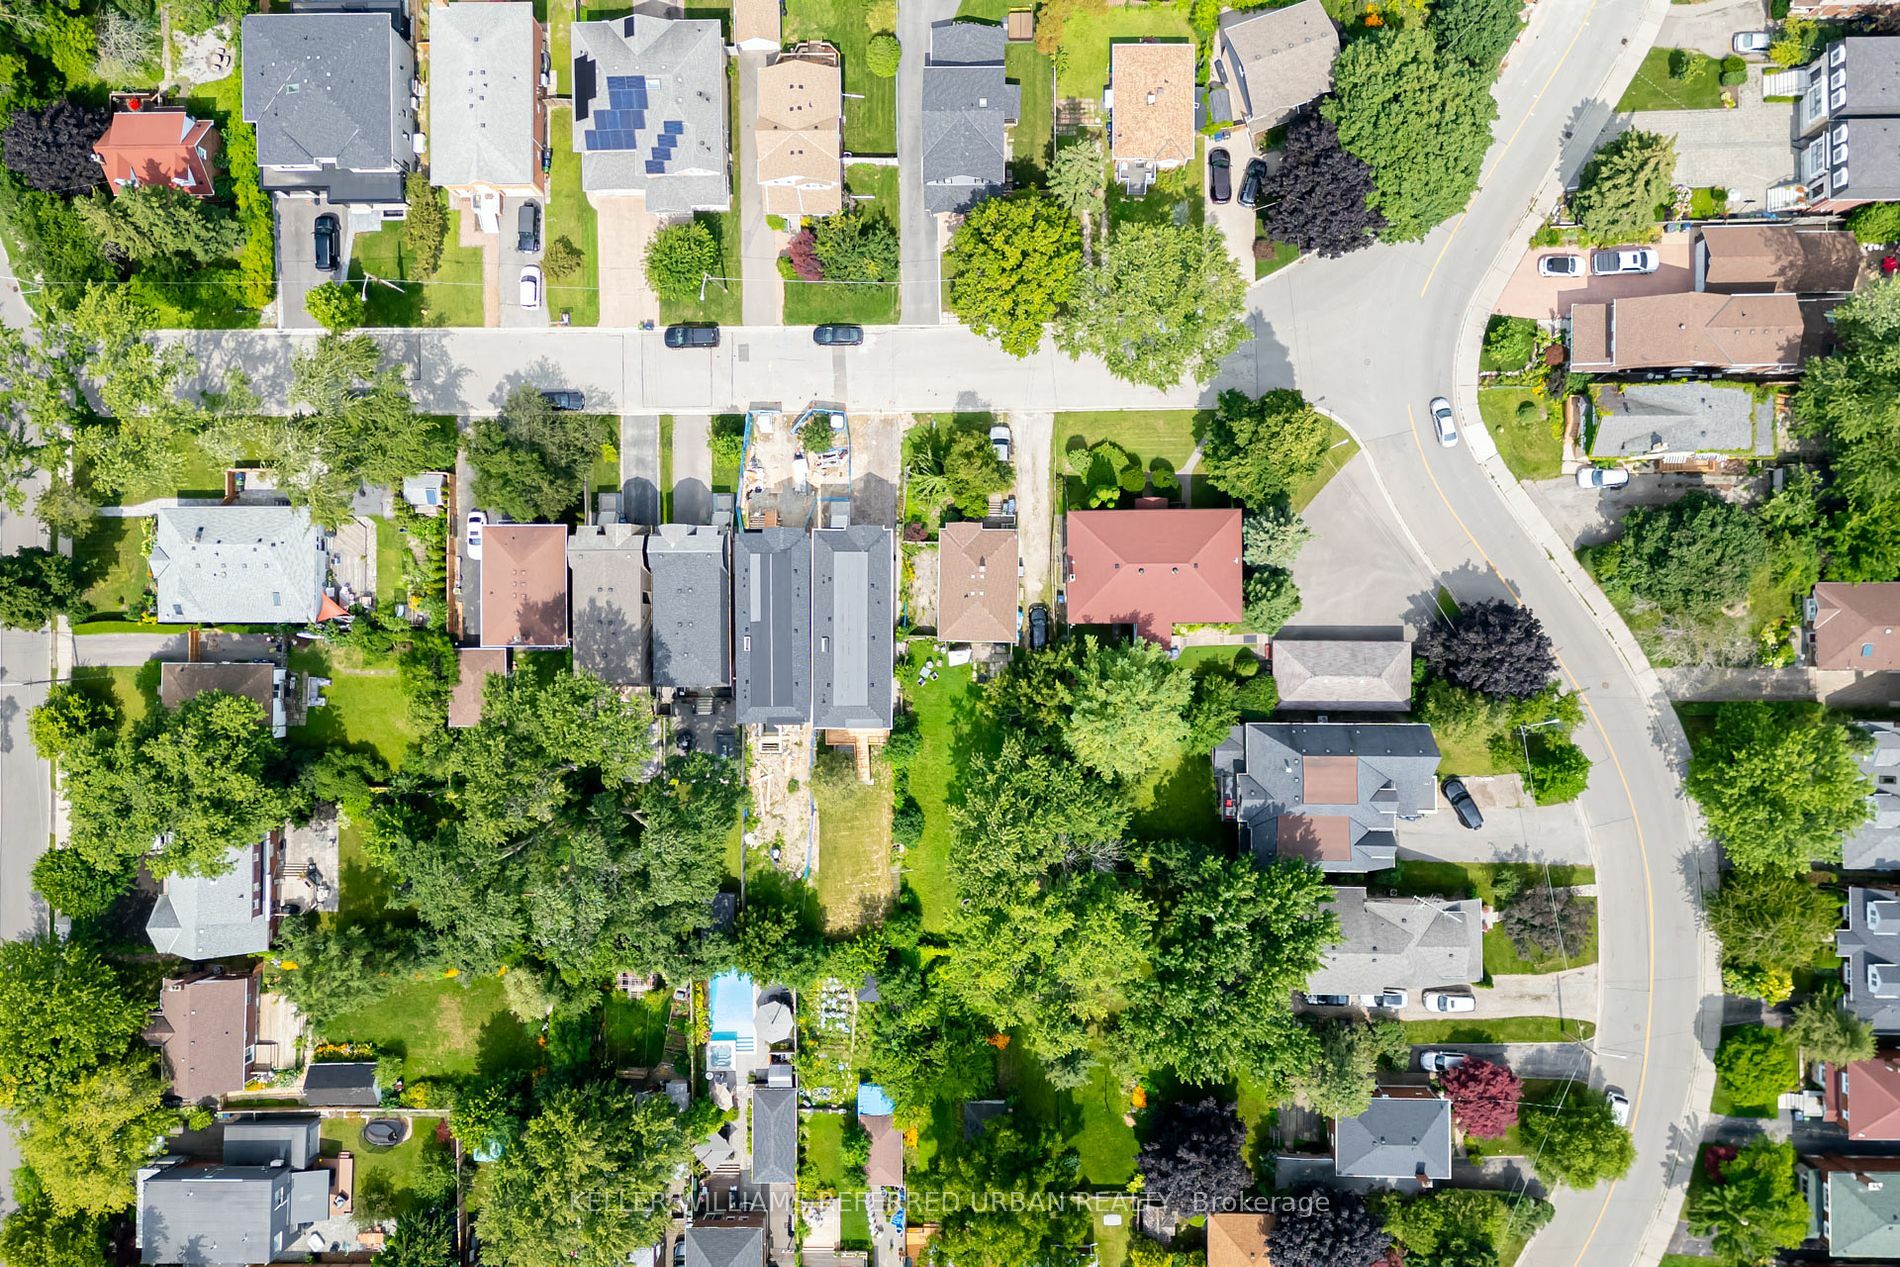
[
  {"x": 1359, "y": 571},
  {"x": 622, "y": 229},
  {"x": 1236, "y": 222},
  {"x": 512, "y": 260},
  {"x": 1711, "y": 26},
  {"x": 1590, "y": 516},
  {"x": 1548, "y": 298},
  {"x": 1515, "y": 829},
  {"x": 297, "y": 273}
]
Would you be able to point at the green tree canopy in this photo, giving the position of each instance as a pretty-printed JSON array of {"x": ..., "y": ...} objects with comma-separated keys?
[
  {"x": 1821, "y": 1029},
  {"x": 1693, "y": 555},
  {"x": 1076, "y": 178},
  {"x": 1779, "y": 784},
  {"x": 1772, "y": 919},
  {"x": 1165, "y": 302},
  {"x": 1756, "y": 1210},
  {"x": 1011, "y": 1205},
  {"x": 1028, "y": 809},
  {"x": 36, "y": 585},
  {"x": 1756, "y": 1064},
  {"x": 337, "y": 308},
  {"x": 857, "y": 245},
  {"x": 1351, "y": 1053},
  {"x": 36, "y": 1231},
  {"x": 162, "y": 227},
  {"x": 533, "y": 462},
  {"x": 1128, "y": 717},
  {"x": 679, "y": 259},
  {"x": 1256, "y": 450},
  {"x": 1476, "y": 32},
  {"x": 1622, "y": 186},
  {"x": 328, "y": 972},
  {"x": 1582, "y": 1144},
  {"x": 1017, "y": 262},
  {"x": 1494, "y": 1219},
  {"x": 63, "y": 1014},
  {"x": 86, "y": 1140}
]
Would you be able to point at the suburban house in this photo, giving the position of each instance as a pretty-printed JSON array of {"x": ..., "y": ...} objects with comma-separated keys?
[
  {"x": 1675, "y": 421},
  {"x": 1152, "y": 568},
  {"x": 1849, "y": 108},
  {"x": 1237, "y": 1239},
  {"x": 1332, "y": 793},
  {"x": 1753, "y": 259},
  {"x": 1273, "y": 61},
  {"x": 1851, "y": 626},
  {"x": 251, "y": 1209},
  {"x": 524, "y": 586},
  {"x": 1343, "y": 675},
  {"x": 331, "y": 95},
  {"x": 1869, "y": 948},
  {"x": 691, "y": 618},
  {"x": 1875, "y": 844},
  {"x": 876, "y": 1111},
  {"x": 726, "y": 1241},
  {"x": 488, "y": 116},
  {"x": 1745, "y": 334},
  {"x": 775, "y": 1134},
  {"x": 476, "y": 663},
  {"x": 342, "y": 1084},
  {"x": 1409, "y": 943},
  {"x": 270, "y": 686},
  {"x": 201, "y": 917},
  {"x": 1863, "y": 1097},
  {"x": 1853, "y": 1204},
  {"x": 968, "y": 109},
  {"x": 799, "y": 134},
  {"x": 976, "y": 583},
  {"x": 607, "y": 582},
  {"x": 650, "y": 112},
  {"x": 756, "y": 26},
  {"x": 205, "y": 1029},
  {"x": 240, "y": 565},
  {"x": 1404, "y": 1135},
  {"x": 1150, "y": 103},
  {"x": 771, "y": 599},
  {"x": 148, "y": 145}
]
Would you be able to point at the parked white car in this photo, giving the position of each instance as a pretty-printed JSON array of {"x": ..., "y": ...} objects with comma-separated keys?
[
  {"x": 475, "y": 521},
  {"x": 1443, "y": 423},
  {"x": 1619, "y": 1106},
  {"x": 1448, "y": 1001},
  {"x": 1752, "y": 43},
  {"x": 1387, "y": 998},
  {"x": 531, "y": 286},
  {"x": 1440, "y": 1061},
  {"x": 1624, "y": 259},
  {"x": 1560, "y": 266},
  {"x": 1602, "y": 477},
  {"x": 999, "y": 440}
]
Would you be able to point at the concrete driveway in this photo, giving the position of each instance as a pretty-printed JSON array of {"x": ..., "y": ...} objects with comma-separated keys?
[
  {"x": 623, "y": 227},
  {"x": 1745, "y": 150},
  {"x": 1709, "y": 27},
  {"x": 1515, "y": 830},
  {"x": 1360, "y": 570},
  {"x": 763, "y": 290},
  {"x": 1236, "y": 222},
  {"x": 512, "y": 259},
  {"x": 920, "y": 293},
  {"x": 1032, "y": 433},
  {"x": 297, "y": 273},
  {"x": 1548, "y": 298}
]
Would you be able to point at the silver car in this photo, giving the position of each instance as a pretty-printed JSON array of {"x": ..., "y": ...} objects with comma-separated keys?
[
  {"x": 1624, "y": 259},
  {"x": 1560, "y": 266},
  {"x": 1752, "y": 43},
  {"x": 1440, "y": 1061},
  {"x": 1443, "y": 423}
]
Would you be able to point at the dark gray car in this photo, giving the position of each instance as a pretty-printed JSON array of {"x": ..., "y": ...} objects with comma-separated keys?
[
  {"x": 697, "y": 336},
  {"x": 529, "y": 223},
  {"x": 1459, "y": 798},
  {"x": 329, "y": 242}
]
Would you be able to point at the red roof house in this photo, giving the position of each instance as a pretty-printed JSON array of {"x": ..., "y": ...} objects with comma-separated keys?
[
  {"x": 158, "y": 147},
  {"x": 1153, "y": 568},
  {"x": 1864, "y": 1097}
]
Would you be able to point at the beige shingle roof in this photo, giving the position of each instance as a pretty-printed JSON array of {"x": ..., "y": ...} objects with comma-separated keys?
[
  {"x": 800, "y": 133},
  {"x": 1154, "y": 102},
  {"x": 976, "y": 583}
]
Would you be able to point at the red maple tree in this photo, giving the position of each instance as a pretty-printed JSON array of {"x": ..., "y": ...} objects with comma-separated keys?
[{"x": 1484, "y": 1097}]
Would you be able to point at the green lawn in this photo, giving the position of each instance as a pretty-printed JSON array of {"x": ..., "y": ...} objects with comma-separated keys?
[
  {"x": 1111, "y": 1243},
  {"x": 132, "y": 690},
  {"x": 1087, "y": 35},
  {"x": 1531, "y": 446},
  {"x": 854, "y": 841},
  {"x": 1707, "y": 202},
  {"x": 111, "y": 562},
  {"x": 953, "y": 732},
  {"x": 634, "y": 1030},
  {"x": 725, "y": 470},
  {"x": 367, "y": 707},
  {"x": 1655, "y": 89},
  {"x": 571, "y": 216},
  {"x": 1340, "y": 450},
  {"x": 1167, "y": 434},
  {"x": 1034, "y": 134},
  {"x": 559, "y": 15},
  {"x": 392, "y": 547},
  {"x": 815, "y": 303},
  {"x": 444, "y": 1027},
  {"x": 1088, "y": 1118},
  {"x": 1535, "y": 1091},
  {"x": 824, "y": 1150},
  {"x": 1507, "y": 1029},
  {"x": 1283, "y": 254},
  {"x": 1501, "y": 957},
  {"x": 1175, "y": 197},
  {"x": 452, "y": 297},
  {"x": 722, "y": 304},
  {"x": 870, "y": 103},
  {"x": 394, "y": 1169}
]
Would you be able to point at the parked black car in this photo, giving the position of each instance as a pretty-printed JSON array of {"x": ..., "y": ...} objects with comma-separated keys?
[
  {"x": 1462, "y": 804},
  {"x": 565, "y": 398},
  {"x": 530, "y": 225},
  {"x": 329, "y": 242},
  {"x": 1038, "y": 627},
  {"x": 1253, "y": 183},
  {"x": 1220, "y": 177},
  {"x": 705, "y": 336},
  {"x": 838, "y": 336}
]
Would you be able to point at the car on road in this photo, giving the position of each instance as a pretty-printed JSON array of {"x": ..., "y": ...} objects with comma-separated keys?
[
  {"x": 1443, "y": 423},
  {"x": 1602, "y": 477},
  {"x": 838, "y": 336},
  {"x": 565, "y": 398},
  {"x": 1220, "y": 176},
  {"x": 528, "y": 228},
  {"x": 1448, "y": 1001},
  {"x": 1386, "y": 998},
  {"x": 531, "y": 286},
  {"x": 1038, "y": 627},
  {"x": 692, "y": 336},
  {"x": 1458, "y": 796},
  {"x": 1327, "y": 1000},
  {"x": 475, "y": 521},
  {"x": 1752, "y": 43},
  {"x": 1254, "y": 183},
  {"x": 1624, "y": 259},
  {"x": 1619, "y": 1105},
  {"x": 329, "y": 242},
  {"x": 1560, "y": 266},
  {"x": 1440, "y": 1061},
  {"x": 999, "y": 440}
]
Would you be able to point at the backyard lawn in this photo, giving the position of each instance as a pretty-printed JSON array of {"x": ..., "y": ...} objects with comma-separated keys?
[
  {"x": 854, "y": 841},
  {"x": 395, "y": 1170},
  {"x": 571, "y": 216},
  {"x": 1530, "y": 444},
  {"x": 1089, "y": 1118},
  {"x": 367, "y": 707},
  {"x": 131, "y": 689},
  {"x": 870, "y": 103},
  {"x": 634, "y": 1030},
  {"x": 1087, "y": 35},
  {"x": 442, "y": 1027},
  {"x": 452, "y": 297},
  {"x": 824, "y": 1149},
  {"x": 1030, "y": 140},
  {"x": 815, "y": 303},
  {"x": 1654, "y": 88},
  {"x": 953, "y": 732}
]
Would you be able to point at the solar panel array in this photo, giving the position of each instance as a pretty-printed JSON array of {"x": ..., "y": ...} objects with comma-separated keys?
[{"x": 615, "y": 128}]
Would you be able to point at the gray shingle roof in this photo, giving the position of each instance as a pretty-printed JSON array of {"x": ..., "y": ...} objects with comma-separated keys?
[
  {"x": 1638, "y": 420},
  {"x": 967, "y": 103},
  {"x": 259, "y": 1141},
  {"x": 682, "y": 68},
  {"x": 212, "y": 917},
  {"x": 1406, "y": 943},
  {"x": 1875, "y": 846},
  {"x": 341, "y": 1084},
  {"x": 775, "y": 1135},
  {"x": 243, "y": 565},
  {"x": 712, "y": 1245},
  {"x": 1277, "y": 60},
  {"x": 771, "y": 599},
  {"x": 1873, "y": 76},
  {"x": 1862, "y": 1207},
  {"x": 328, "y": 88},
  {"x": 1343, "y": 674},
  {"x": 244, "y": 1211},
  {"x": 1399, "y": 1136},
  {"x": 1871, "y": 945},
  {"x": 691, "y": 621},
  {"x": 608, "y": 586},
  {"x": 853, "y": 574},
  {"x": 483, "y": 83},
  {"x": 1331, "y": 792}
]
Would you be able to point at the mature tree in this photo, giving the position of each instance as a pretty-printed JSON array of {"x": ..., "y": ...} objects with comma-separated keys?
[
  {"x": 1235, "y": 944},
  {"x": 588, "y": 1182},
  {"x": 925, "y": 1049},
  {"x": 1076, "y": 179},
  {"x": 1351, "y": 1053},
  {"x": 330, "y": 972},
  {"x": 1542, "y": 920},
  {"x": 1484, "y": 1097},
  {"x": 1756, "y": 1064},
  {"x": 1423, "y": 123},
  {"x": 50, "y": 146},
  {"x": 1327, "y": 1229},
  {"x": 1771, "y": 919},
  {"x": 1493, "y": 646},
  {"x": 1621, "y": 187},
  {"x": 1128, "y": 716},
  {"x": 1756, "y": 1210},
  {"x": 157, "y": 225},
  {"x": 532, "y": 463},
  {"x": 857, "y": 245},
  {"x": 1852, "y": 400},
  {"x": 1476, "y": 32},
  {"x": 1009, "y": 1205},
  {"x": 1581, "y": 1144},
  {"x": 1164, "y": 302},
  {"x": 425, "y": 226},
  {"x": 1273, "y": 538},
  {"x": 972, "y": 471},
  {"x": 39, "y": 399},
  {"x": 82, "y": 887},
  {"x": 1693, "y": 555},
  {"x": 1270, "y": 599},
  {"x": 679, "y": 259},
  {"x": 87, "y": 1139},
  {"x": 63, "y": 1013},
  {"x": 36, "y": 1231},
  {"x": 1017, "y": 260},
  {"x": 1193, "y": 1159},
  {"x": 1256, "y": 450},
  {"x": 1779, "y": 784},
  {"x": 1026, "y": 809},
  {"x": 1453, "y": 1215},
  {"x": 337, "y": 308},
  {"x": 423, "y": 1238},
  {"x": 1821, "y": 1029},
  {"x": 36, "y": 585},
  {"x": 1558, "y": 769},
  {"x": 1317, "y": 198}
]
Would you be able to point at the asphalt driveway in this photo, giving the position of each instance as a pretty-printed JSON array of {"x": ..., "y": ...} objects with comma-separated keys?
[
  {"x": 1236, "y": 222},
  {"x": 297, "y": 273},
  {"x": 1359, "y": 570}
]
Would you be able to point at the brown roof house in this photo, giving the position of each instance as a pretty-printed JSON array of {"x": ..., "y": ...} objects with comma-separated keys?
[
  {"x": 476, "y": 663},
  {"x": 1273, "y": 61},
  {"x": 1238, "y": 1239},
  {"x": 1748, "y": 334},
  {"x": 756, "y": 26},
  {"x": 1153, "y": 569},
  {"x": 976, "y": 583},
  {"x": 524, "y": 586},
  {"x": 205, "y": 1028},
  {"x": 800, "y": 132},
  {"x": 1853, "y": 626},
  {"x": 1864, "y": 1096},
  {"x": 1150, "y": 111},
  {"x": 147, "y": 146},
  {"x": 1742, "y": 259},
  {"x": 269, "y": 686}
]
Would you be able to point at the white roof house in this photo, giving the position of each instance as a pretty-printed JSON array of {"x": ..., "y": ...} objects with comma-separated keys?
[
  {"x": 238, "y": 565},
  {"x": 486, "y": 126}
]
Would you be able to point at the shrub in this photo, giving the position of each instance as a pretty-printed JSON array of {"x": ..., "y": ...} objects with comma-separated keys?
[
  {"x": 1510, "y": 343},
  {"x": 882, "y": 54},
  {"x": 679, "y": 258},
  {"x": 1681, "y": 62},
  {"x": 815, "y": 435},
  {"x": 336, "y": 307},
  {"x": 1756, "y": 1064},
  {"x": 563, "y": 258},
  {"x": 1559, "y": 770},
  {"x": 802, "y": 253},
  {"x": 426, "y": 229},
  {"x": 1528, "y": 412},
  {"x": 1877, "y": 222}
]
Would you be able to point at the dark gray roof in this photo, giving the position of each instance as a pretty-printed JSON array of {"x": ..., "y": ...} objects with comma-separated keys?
[
  {"x": 712, "y": 1245},
  {"x": 339, "y": 1084},
  {"x": 1405, "y": 943},
  {"x": 212, "y": 917},
  {"x": 1875, "y": 846},
  {"x": 771, "y": 600},
  {"x": 247, "y": 1210},
  {"x": 967, "y": 43},
  {"x": 1872, "y": 79},
  {"x": 1345, "y": 674},
  {"x": 1399, "y": 1137},
  {"x": 1267, "y": 785},
  {"x": 967, "y": 103},
  {"x": 1639, "y": 420},
  {"x": 1874, "y": 172},
  {"x": 978, "y": 1114},
  {"x": 1871, "y": 946},
  {"x": 607, "y": 582},
  {"x": 242, "y": 565},
  {"x": 691, "y": 624},
  {"x": 259, "y": 1141},
  {"x": 853, "y": 574},
  {"x": 329, "y": 88},
  {"x": 775, "y": 1135},
  {"x": 680, "y": 69}
]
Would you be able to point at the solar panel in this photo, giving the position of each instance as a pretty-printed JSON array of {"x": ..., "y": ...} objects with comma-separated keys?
[
  {"x": 673, "y": 127},
  {"x": 655, "y": 169}
]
